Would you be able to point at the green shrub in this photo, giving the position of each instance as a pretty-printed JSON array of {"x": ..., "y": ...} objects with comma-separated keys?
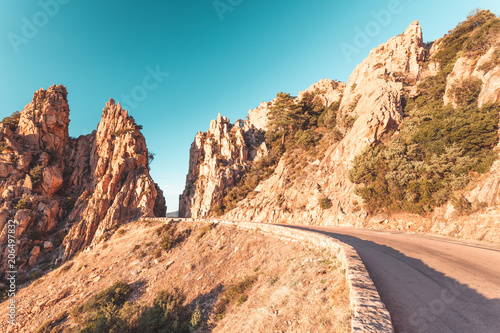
[
  {"x": 337, "y": 135},
  {"x": 349, "y": 121},
  {"x": 419, "y": 171},
  {"x": 493, "y": 62},
  {"x": 115, "y": 295},
  {"x": 36, "y": 174},
  {"x": 462, "y": 205},
  {"x": 109, "y": 312},
  {"x": 121, "y": 132},
  {"x": 151, "y": 157},
  {"x": 23, "y": 204},
  {"x": 166, "y": 315},
  {"x": 437, "y": 148},
  {"x": 293, "y": 125},
  {"x": 328, "y": 117},
  {"x": 354, "y": 103},
  {"x": 236, "y": 293},
  {"x": 218, "y": 210},
  {"x": 473, "y": 36},
  {"x": 206, "y": 228},
  {"x": 273, "y": 279},
  {"x": 305, "y": 138},
  {"x": 49, "y": 325},
  {"x": 325, "y": 203},
  {"x": 196, "y": 319},
  {"x": 12, "y": 120},
  {"x": 468, "y": 92},
  {"x": 241, "y": 299},
  {"x": 170, "y": 237}
]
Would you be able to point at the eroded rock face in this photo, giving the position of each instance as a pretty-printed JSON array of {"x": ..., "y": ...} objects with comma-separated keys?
[
  {"x": 371, "y": 111},
  {"x": 44, "y": 122},
  {"x": 119, "y": 187},
  {"x": 221, "y": 156},
  {"x": 470, "y": 68},
  {"x": 258, "y": 117},
  {"x": 373, "y": 100},
  {"x": 63, "y": 192},
  {"x": 327, "y": 91},
  {"x": 217, "y": 160}
]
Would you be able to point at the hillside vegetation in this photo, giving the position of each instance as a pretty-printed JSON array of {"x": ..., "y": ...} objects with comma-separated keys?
[
  {"x": 439, "y": 147},
  {"x": 410, "y": 142},
  {"x": 188, "y": 277},
  {"x": 304, "y": 127},
  {"x": 436, "y": 152}
]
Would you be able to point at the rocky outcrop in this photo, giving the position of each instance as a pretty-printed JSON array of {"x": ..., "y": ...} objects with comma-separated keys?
[
  {"x": 371, "y": 112},
  {"x": 67, "y": 192},
  {"x": 325, "y": 90},
  {"x": 258, "y": 117},
  {"x": 44, "y": 122},
  {"x": 372, "y": 99},
  {"x": 218, "y": 159},
  {"x": 119, "y": 187},
  {"x": 467, "y": 68}
]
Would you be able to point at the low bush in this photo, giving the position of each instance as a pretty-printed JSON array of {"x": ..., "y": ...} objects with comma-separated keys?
[
  {"x": 23, "y": 204},
  {"x": 116, "y": 295},
  {"x": 51, "y": 325},
  {"x": 170, "y": 237},
  {"x": 462, "y": 205},
  {"x": 468, "y": 91},
  {"x": 438, "y": 146},
  {"x": 325, "y": 203},
  {"x": 121, "y": 132},
  {"x": 12, "y": 120},
  {"x": 421, "y": 169},
  {"x": 166, "y": 315},
  {"x": 233, "y": 294},
  {"x": 36, "y": 174},
  {"x": 472, "y": 36},
  {"x": 204, "y": 229},
  {"x": 493, "y": 62}
]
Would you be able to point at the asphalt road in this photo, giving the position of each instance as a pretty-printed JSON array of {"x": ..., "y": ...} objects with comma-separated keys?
[{"x": 430, "y": 284}]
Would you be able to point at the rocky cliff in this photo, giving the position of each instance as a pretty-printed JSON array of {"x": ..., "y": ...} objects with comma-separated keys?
[
  {"x": 65, "y": 193},
  {"x": 217, "y": 160},
  {"x": 372, "y": 98},
  {"x": 220, "y": 157},
  {"x": 318, "y": 190}
]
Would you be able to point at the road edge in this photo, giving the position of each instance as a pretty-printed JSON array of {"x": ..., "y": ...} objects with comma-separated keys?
[{"x": 369, "y": 312}]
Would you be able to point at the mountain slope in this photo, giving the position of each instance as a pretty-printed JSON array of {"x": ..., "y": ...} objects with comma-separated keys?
[
  {"x": 239, "y": 280},
  {"x": 402, "y": 89}
]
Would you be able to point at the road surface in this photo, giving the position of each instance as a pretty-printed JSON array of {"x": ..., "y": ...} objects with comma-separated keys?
[{"x": 430, "y": 284}]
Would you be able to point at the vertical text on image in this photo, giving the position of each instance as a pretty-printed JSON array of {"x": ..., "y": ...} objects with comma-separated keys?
[{"x": 11, "y": 272}]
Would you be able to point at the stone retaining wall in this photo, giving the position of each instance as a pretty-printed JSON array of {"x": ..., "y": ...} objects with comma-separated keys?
[{"x": 369, "y": 312}]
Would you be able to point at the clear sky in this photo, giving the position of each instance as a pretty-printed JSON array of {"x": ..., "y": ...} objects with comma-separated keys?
[{"x": 206, "y": 57}]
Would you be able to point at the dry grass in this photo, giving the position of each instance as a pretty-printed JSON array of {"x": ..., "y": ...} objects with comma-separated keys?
[{"x": 264, "y": 284}]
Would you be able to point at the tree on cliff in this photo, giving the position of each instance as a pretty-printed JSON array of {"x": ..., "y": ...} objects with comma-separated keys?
[{"x": 284, "y": 117}]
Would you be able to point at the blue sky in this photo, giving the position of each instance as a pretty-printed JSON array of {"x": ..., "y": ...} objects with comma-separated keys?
[{"x": 209, "y": 56}]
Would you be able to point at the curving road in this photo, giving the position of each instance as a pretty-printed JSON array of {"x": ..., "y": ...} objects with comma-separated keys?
[{"x": 430, "y": 284}]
